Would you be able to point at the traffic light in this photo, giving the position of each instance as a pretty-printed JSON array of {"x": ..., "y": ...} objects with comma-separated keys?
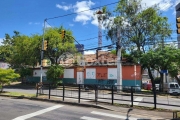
[
  {"x": 63, "y": 34},
  {"x": 45, "y": 45},
  {"x": 178, "y": 25}
]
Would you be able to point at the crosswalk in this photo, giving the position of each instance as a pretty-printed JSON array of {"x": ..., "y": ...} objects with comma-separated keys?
[{"x": 122, "y": 117}]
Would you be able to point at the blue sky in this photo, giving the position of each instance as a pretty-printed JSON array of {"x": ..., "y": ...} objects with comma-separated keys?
[{"x": 27, "y": 17}]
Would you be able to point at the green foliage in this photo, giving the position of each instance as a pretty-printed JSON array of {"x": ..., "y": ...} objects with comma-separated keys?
[
  {"x": 157, "y": 80},
  {"x": 24, "y": 51},
  {"x": 25, "y": 72},
  {"x": 7, "y": 76},
  {"x": 166, "y": 58},
  {"x": 54, "y": 72},
  {"x": 139, "y": 30}
]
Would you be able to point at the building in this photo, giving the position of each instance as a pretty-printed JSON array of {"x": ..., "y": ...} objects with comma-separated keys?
[
  {"x": 178, "y": 23},
  {"x": 80, "y": 48}
]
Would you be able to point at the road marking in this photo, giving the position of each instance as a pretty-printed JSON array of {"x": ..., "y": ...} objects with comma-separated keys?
[
  {"x": 24, "y": 117},
  {"x": 89, "y": 118},
  {"x": 137, "y": 99},
  {"x": 112, "y": 115}
]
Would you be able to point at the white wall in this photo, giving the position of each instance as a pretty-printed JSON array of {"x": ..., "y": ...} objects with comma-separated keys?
[
  {"x": 4, "y": 65},
  {"x": 91, "y": 73},
  {"x": 37, "y": 73},
  {"x": 68, "y": 73},
  {"x": 112, "y": 73}
]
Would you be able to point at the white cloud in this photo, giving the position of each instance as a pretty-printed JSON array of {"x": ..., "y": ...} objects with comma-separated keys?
[
  {"x": 1, "y": 40},
  {"x": 64, "y": 7},
  {"x": 89, "y": 52},
  {"x": 164, "y": 5},
  {"x": 36, "y": 23},
  {"x": 84, "y": 14},
  {"x": 71, "y": 24},
  {"x": 33, "y": 23},
  {"x": 87, "y": 14}
]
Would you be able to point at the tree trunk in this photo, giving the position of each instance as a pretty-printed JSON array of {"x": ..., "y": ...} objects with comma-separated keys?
[
  {"x": 151, "y": 77},
  {"x": 177, "y": 79},
  {"x": 161, "y": 82},
  {"x": 2, "y": 89}
]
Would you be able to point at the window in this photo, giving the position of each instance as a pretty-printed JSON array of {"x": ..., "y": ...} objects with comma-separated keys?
[
  {"x": 176, "y": 85},
  {"x": 172, "y": 86}
]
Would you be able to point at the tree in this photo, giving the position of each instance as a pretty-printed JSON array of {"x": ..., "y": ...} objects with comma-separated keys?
[
  {"x": 57, "y": 45},
  {"x": 166, "y": 58},
  {"x": 7, "y": 76},
  {"x": 54, "y": 72},
  {"x": 139, "y": 30}
]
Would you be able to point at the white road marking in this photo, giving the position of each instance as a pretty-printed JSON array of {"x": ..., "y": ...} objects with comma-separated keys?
[
  {"x": 89, "y": 118},
  {"x": 112, "y": 115},
  {"x": 137, "y": 99},
  {"x": 24, "y": 117}
]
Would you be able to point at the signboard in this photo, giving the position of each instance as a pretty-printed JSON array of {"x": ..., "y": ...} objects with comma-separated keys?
[
  {"x": 80, "y": 69},
  {"x": 90, "y": 73}
]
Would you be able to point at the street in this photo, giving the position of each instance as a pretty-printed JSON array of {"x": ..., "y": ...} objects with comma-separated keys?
[{"x": 22, "y": 109}]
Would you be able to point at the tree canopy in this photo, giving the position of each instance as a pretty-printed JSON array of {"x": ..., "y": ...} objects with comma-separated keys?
[
  {"x": 7, "y": 76},
  {"x": 137, "y": 29}
]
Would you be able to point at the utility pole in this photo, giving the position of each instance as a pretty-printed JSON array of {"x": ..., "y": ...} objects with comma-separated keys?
[
  {"x": 119, "y": 65},
  {"x": 42, "y": 52}
]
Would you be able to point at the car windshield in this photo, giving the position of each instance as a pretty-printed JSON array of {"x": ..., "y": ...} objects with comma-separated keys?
[{"x": 172, "y": 86}]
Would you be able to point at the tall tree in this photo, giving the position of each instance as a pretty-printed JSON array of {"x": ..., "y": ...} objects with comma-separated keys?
[
  {"x": 139, "y": 28},
  {"x": 58, "y": 45},
  {"x": 166, "y": 58}
]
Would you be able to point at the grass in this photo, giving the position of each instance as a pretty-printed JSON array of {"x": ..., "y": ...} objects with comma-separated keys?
[{"x": 18, "y": 94}]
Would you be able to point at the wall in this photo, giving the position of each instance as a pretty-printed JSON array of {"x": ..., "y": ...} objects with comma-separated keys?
[
  {"x": 4, "y": 65},
  {"x": 105, "y": 75}
]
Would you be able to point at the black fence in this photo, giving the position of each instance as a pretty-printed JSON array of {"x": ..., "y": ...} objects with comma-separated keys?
[{"x": 112, "y": 94}]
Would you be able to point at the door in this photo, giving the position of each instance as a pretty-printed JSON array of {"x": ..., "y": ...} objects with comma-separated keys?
[{"x": 80, "y": 78}]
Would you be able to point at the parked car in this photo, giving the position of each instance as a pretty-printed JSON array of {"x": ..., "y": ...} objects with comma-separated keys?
[
  {"x": 172, "y": 88},
  {"x": 148, "y": 86}
]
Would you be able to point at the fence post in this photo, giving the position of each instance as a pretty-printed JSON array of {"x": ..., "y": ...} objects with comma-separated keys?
[
  {"x": 154, "y": 90},
  {"x": 175, "y": 115},
  {"x": 96, "y": 94},
  {"x": 79, "y": 94},
  {"x": 49, "y": 91},
  {"x": 63, "y": 91},
  {"x": 132, "y": 96},
  {"x": 112, "y": 91},
  {"x": 37, "y": 90}
]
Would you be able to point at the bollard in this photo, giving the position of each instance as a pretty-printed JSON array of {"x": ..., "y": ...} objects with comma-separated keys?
[
  {"x": 79, "y": 94},
  {"x": 155, "y": 102},
  {"x": 49, "y": 91},
  {"x": 37, "y": 90},
  {"x": 112, "y": 91},
  {"x": 174, "y": 115},
  {"x": 132, "y": 96}
]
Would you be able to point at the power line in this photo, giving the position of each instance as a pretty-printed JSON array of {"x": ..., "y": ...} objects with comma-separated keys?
[{"x": 81, "y": 11}]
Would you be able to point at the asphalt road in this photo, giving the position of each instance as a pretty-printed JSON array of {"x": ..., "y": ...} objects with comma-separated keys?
[
  {"x": 22, "y": 109},
  {"x": 169, "y": 100}
]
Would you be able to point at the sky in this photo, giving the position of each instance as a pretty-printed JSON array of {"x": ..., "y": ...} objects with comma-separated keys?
[{"x": 28, "y": 17}]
